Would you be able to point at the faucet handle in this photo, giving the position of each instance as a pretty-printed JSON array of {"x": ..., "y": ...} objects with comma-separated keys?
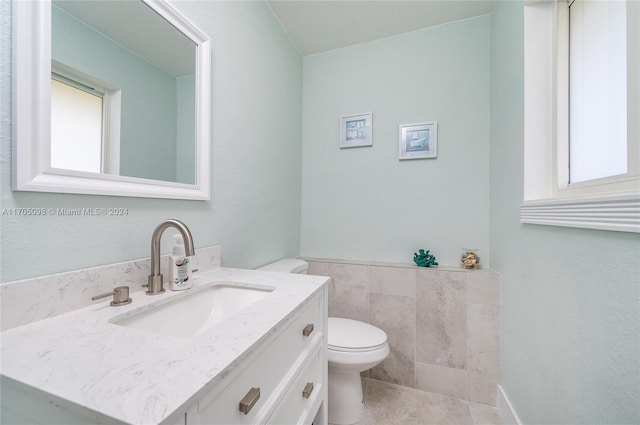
[{"x": 120, "y": 296}]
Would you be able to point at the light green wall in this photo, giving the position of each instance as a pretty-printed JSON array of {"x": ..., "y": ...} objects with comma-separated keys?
[
  {"x": 256, "y": 125},
  {"x": 365, "y": 204},
  {"x": 570, "y": 297},
  {"x": 186, "y": 130}
]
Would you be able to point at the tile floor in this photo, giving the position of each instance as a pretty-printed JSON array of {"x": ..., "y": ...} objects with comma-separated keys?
[{"x": 388, "y": 404}]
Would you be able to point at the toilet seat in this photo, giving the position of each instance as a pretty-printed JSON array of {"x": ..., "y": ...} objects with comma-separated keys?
[
  {"x": 356, "y": 350},
  {"x": 352, "y": 336}
]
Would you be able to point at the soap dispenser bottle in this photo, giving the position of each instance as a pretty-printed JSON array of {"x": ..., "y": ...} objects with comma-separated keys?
[{"x": 179, "y": 267}]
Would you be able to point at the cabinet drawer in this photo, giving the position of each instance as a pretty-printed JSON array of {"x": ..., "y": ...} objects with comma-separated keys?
[
  {"x": 271, "y": 369},
  {"x": 304, "y": 396}
]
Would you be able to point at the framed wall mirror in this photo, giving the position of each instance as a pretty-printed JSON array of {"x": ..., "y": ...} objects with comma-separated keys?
[{"x": 110, "y": 98}]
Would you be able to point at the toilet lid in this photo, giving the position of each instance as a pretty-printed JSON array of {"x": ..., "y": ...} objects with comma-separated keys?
[{"x": 352, "y": 335}]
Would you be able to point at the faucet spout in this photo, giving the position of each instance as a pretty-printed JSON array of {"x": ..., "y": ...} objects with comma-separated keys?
[{"x": 155, "y": 284}]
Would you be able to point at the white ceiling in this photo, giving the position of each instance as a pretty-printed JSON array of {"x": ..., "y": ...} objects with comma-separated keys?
[
  {"x": 313, "y": 26},
  {"x": 316, "y": 26},
  {"x": 138, "y": 28}
]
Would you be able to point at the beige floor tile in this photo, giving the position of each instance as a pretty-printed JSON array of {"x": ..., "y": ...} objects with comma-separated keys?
[
  {"x": 387, "y": 404},
  {"x": 434, "y": 409}
]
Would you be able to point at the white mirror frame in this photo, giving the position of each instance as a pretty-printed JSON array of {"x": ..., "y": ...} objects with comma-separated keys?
[{"x": 32, "y": 114}]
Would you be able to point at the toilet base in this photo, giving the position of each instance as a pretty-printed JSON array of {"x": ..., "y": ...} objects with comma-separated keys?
[{"x": 345, "y": 397}]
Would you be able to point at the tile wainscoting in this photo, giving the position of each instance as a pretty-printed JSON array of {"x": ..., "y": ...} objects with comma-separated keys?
[{"x": 442, "y": 324}]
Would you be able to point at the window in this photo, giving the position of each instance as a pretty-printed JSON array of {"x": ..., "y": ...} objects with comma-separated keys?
[
  {"x": 582, "y": 114},
  {"x": 85, "y": 122}
]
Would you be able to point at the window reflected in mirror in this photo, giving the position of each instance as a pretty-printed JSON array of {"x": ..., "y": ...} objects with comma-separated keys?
[
  {"x": 76, "y": 128},
  {"x": 108, "y": 47},
  {"x": 85, "y": 122}
]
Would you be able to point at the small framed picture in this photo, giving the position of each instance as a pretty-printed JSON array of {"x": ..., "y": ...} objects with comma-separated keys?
[
  {"x": 355, "y": 130},
  {"x": 418, "y": 140}
]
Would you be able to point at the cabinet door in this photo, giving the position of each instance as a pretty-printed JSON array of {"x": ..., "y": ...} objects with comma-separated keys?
[
  {"x": 271, "y": 369},
  {"x": 304, "y": 397}
]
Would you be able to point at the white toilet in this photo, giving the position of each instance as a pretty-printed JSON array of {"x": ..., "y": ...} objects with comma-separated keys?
[{"x": 353, "y": 348}]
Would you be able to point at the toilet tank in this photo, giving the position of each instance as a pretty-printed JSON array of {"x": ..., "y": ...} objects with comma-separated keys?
[{"x": 287, "y": 265}]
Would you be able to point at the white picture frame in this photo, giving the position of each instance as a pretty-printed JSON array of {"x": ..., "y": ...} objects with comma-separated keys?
[
  {"x": 418, "y": 141},
  {"x": 356, "y": 130}
]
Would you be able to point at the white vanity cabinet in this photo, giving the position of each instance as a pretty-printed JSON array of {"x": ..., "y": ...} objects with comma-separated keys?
[
  {"x": 83, "y": 367},
  {"x": 289, "y": 370}
]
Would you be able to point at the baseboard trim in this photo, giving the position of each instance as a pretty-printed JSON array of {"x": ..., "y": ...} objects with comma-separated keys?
[{"x": 508, "y": 413}]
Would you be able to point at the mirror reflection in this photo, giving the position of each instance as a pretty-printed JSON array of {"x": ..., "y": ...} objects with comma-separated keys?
[{"x": 123, "y": 92}]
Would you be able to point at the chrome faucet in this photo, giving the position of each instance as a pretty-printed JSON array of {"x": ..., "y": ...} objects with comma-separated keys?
[{"x": 155, "y": 285}]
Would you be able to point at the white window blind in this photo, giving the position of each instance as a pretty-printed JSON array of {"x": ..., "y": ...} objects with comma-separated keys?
[
  {"x": 597, "y": 90},
  {"x": 76, "y": 128}
]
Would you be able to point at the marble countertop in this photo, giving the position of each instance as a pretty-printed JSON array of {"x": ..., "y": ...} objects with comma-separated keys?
[{"x": 81, "y": 361}]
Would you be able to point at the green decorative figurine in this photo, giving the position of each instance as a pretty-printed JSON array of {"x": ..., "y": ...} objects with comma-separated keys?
[{"x": 424, "y": 259}]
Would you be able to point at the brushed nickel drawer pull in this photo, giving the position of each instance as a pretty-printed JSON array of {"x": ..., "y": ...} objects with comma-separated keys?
[
  {"x": 307, "y": 329},
  {"x": 308, "y": 389},
  {"x": 249, "y": 400}
]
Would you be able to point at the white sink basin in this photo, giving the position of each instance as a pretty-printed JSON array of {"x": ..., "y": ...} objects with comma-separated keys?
[{"x": 196, "y": 312}]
